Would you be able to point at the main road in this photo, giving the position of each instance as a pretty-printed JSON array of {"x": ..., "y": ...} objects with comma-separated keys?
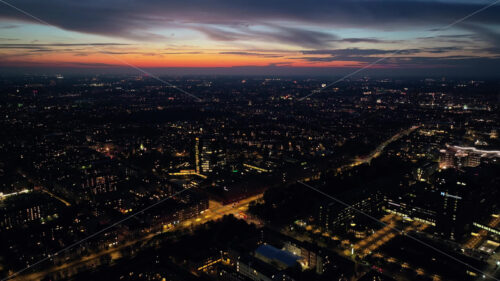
[
  {"x": 377, "y": 151},
  {"x": 214, "y": 212}
]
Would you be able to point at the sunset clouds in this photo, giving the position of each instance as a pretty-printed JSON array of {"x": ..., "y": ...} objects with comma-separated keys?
[{"x": 196, "y": 33}]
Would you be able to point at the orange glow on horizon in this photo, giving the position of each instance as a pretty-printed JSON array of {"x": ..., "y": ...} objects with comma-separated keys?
[{"x": 153, "y": 59}]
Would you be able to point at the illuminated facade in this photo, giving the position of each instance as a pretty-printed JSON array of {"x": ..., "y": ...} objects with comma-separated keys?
[
  {"x": 459, "y": 156},
  {"x": 197, "y": 155},
  {"x": 333, "y": 215},
  {"x": 208, "y": 155}
]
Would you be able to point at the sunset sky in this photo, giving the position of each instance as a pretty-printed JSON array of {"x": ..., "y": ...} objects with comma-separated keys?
[{"x": 275, "y": 34}]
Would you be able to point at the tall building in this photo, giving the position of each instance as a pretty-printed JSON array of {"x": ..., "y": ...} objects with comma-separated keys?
[
  {"x": 452, "y": 216},
  {"x": 197, "y": 155},
  {"x": 208, "y": 155}
]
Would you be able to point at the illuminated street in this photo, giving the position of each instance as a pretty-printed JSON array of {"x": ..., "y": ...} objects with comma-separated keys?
[
  {"x": 215, "y": 212},
  {"x": 384, "y": 235}
]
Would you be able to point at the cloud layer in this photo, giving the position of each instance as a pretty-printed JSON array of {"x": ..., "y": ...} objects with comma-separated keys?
[
  {"x": 139, "y": 19},
  {"x": 309, "y": 32}
]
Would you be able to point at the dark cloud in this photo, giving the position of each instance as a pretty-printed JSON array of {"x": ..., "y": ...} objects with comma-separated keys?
[
  {"x": 362, "y": 40},
  {"x": 137, "y": 19},
  {"x": 479, "y": 32},
  {"x": 484, "y": 32},
  {"x": 240, "y": 53},
  {"x": 77, "y": 48},
  {"x": 464, "y": 64},
  {"x": 390, "y": 57},
  {"x": 355, "y": 52},
  {"x": 301, "y": 37},
  {"x": 11, "y": 26},
  {"x": 362, "y": 54},
  {"x": 452, "y": 36},
  {"x": 243, "y": 53},
  {"x": 461, "y": 39},
  {"x": 182, "y": 53},
  {"x": 36, "y": 46},
  {"x": 439, "y": 50},
  {"x": 273, "y": 33},
  {"x": 106, "y": 65}
]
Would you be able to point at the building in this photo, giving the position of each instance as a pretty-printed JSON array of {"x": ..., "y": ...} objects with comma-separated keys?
[
  {"x": 282, "y": 259},
  {"x": 26, "y": 208},
  {"x": 460, "y": 156},
  {"x": 446, "y": 159},
  {"x": 451, "y": 203},
  {"x": 311, "y": 256},
  {"x": 332, "y": 215},
  {"x": 455, "y": 213},
  {"x": 258, "y": 270},
  {"x": 419, "y": 201},
  {"x": 425, "y": 171},
  {"x": 209, "y": 155},
  {"x": 98, "y": 184}
]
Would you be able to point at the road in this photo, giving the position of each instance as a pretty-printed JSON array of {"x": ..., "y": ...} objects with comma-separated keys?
[
  {"x": 217, "y": 211},
  {"x": 377, "y": 151},
  {"x": 214, "y": 212},
  {"x": 56, "y": 197}
]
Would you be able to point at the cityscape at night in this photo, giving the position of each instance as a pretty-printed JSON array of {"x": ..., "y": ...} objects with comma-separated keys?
[{"x": 266, "y": 140}]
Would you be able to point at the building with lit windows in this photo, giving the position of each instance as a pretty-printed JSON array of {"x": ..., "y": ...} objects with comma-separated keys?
[
  {"x": 208, "y": 155},
  {"x": 333, "y": 215},
  {"x": 451, "y": 203},
  {"x": 258, "y": 270},
  {"x": 25, "y": 208},
  {"x": 459, "y": 156}
]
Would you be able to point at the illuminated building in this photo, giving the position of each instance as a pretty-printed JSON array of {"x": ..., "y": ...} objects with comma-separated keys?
[
  {"x": 208, "y": 155},
  {"x": 473, "y": 160},
  {"x": 407, "y": 207},
  {"x": 203, "y": 155},
  {"x": 454, "y": 214},
  {"x": 254, "y": 269},
  {"x": 312, "y": 257},
  {"x": 27, "y": 208},
  {"x": 424, "y": 172},
  {"x": 450, "y": 203},
  {"x": 100, "y": 184},
  {"x": 459, "y": 156},
  {"x": 333, "y": 215},
  {"x": 446, "y": 159},
  {"x": 280, "y": 258},
  {"x": 268, "y": 264},
  {"x": 197, "y": 155}
]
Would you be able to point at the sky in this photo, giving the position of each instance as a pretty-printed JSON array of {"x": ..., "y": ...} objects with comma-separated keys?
[{"x": 272, "y": 36}]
